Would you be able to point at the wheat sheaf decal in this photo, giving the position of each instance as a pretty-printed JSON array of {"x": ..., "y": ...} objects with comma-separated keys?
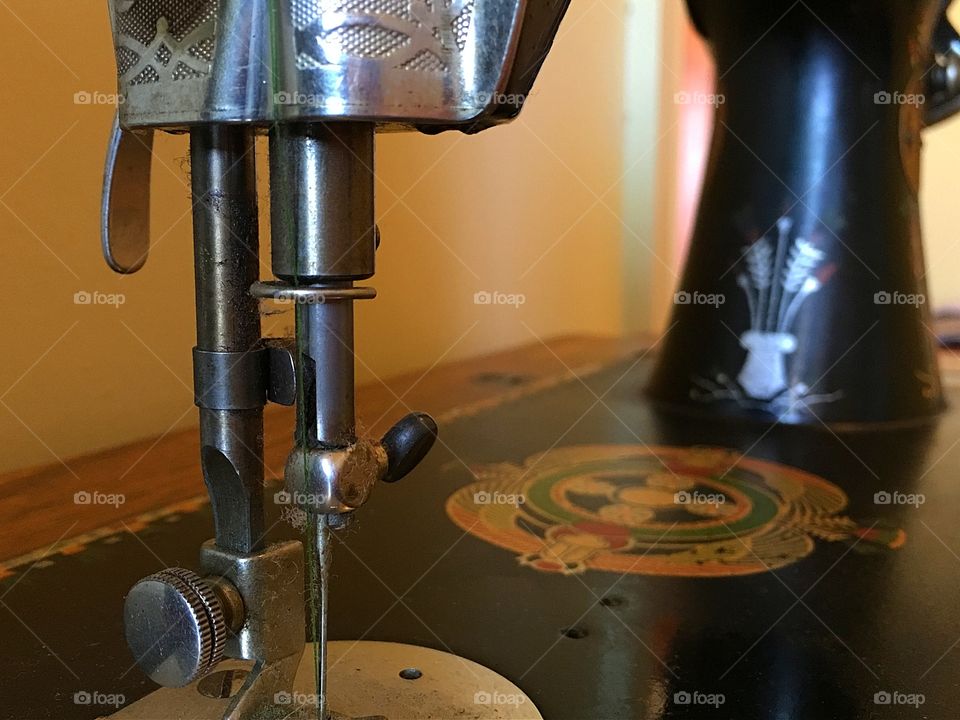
[{"x": 779, "y": 276}]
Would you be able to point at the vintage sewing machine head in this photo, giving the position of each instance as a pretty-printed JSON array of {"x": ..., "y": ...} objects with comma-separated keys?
[
  {"x": 319, "y": 77},
  {"x": 385, "y": 61},
  {"x": 429, "y": 65}
]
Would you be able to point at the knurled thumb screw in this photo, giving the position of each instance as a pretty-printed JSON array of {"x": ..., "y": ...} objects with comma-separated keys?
[{"x": 176, "y": 624}]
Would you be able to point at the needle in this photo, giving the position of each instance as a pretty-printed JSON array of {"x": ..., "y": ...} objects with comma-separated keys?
[{"x": 323, "y": 559}]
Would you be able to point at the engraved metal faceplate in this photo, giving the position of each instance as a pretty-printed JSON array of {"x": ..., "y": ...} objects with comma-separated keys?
[{"x": 182, "y": 62}]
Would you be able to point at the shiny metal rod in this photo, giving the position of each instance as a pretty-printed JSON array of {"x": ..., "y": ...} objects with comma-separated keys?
[
  {"x": 226, "y": 257},
  {"x": 323, "y": 229},
  {"x": 326, "y": 332}
]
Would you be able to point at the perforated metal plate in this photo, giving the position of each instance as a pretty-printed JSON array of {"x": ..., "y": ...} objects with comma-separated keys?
[{"x": 368, "y": 681}]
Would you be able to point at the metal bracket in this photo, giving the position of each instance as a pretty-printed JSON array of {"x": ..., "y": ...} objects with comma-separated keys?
[
  {"x": 281, "y": 370},
  {"x": 273, "y": 632},
  {"x": 245, "y": 380},
  {"x": 230, "y": 380}
]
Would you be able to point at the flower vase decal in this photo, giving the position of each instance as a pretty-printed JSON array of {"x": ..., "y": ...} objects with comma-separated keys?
[
  {"x": 778, "y": 278},
  {"x": 764, "y": 373}
]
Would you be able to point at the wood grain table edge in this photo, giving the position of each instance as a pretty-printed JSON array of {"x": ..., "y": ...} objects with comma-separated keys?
[{"x": 41, "y": 512}]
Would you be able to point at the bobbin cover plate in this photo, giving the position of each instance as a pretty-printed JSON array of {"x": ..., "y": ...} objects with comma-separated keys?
[{"x": 403, "y": 62}]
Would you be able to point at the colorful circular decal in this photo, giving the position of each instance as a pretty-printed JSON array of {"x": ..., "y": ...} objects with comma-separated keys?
[{"x": 655, "y": 511}]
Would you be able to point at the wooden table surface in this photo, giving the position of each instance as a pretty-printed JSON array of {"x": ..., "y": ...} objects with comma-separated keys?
[
  {"x": 819, "y": 613},
  {"x": 38, "y": 514}
]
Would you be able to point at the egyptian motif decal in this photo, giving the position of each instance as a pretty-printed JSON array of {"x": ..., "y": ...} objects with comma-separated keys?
[
  {"x": 778, "y": 277},
  {"x": 690, "y": 512}
]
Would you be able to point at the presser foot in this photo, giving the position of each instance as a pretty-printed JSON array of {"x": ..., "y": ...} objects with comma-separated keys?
[{"x": 366, "y": 681}]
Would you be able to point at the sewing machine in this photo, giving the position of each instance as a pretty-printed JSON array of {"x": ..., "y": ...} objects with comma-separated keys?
[
  {"x": 319, "y": 79},
  {"x": 572, "y": 548},
  {"x": 804, "y": 267}
]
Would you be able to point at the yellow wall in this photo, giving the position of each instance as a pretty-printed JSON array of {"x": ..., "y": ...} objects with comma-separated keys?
[
  {"x": 940, "y": 207},
  {"x": 939, "y": 204},
  {"x": 532, "y": 208}
]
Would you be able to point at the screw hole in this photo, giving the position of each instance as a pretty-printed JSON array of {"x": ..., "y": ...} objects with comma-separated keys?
[
  {"x": 575, "y": 632},
  {"x": 411, "y": 674}
]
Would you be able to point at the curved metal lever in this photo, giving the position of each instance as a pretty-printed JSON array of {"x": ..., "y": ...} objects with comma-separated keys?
[{"x": 125, "y": 204}]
